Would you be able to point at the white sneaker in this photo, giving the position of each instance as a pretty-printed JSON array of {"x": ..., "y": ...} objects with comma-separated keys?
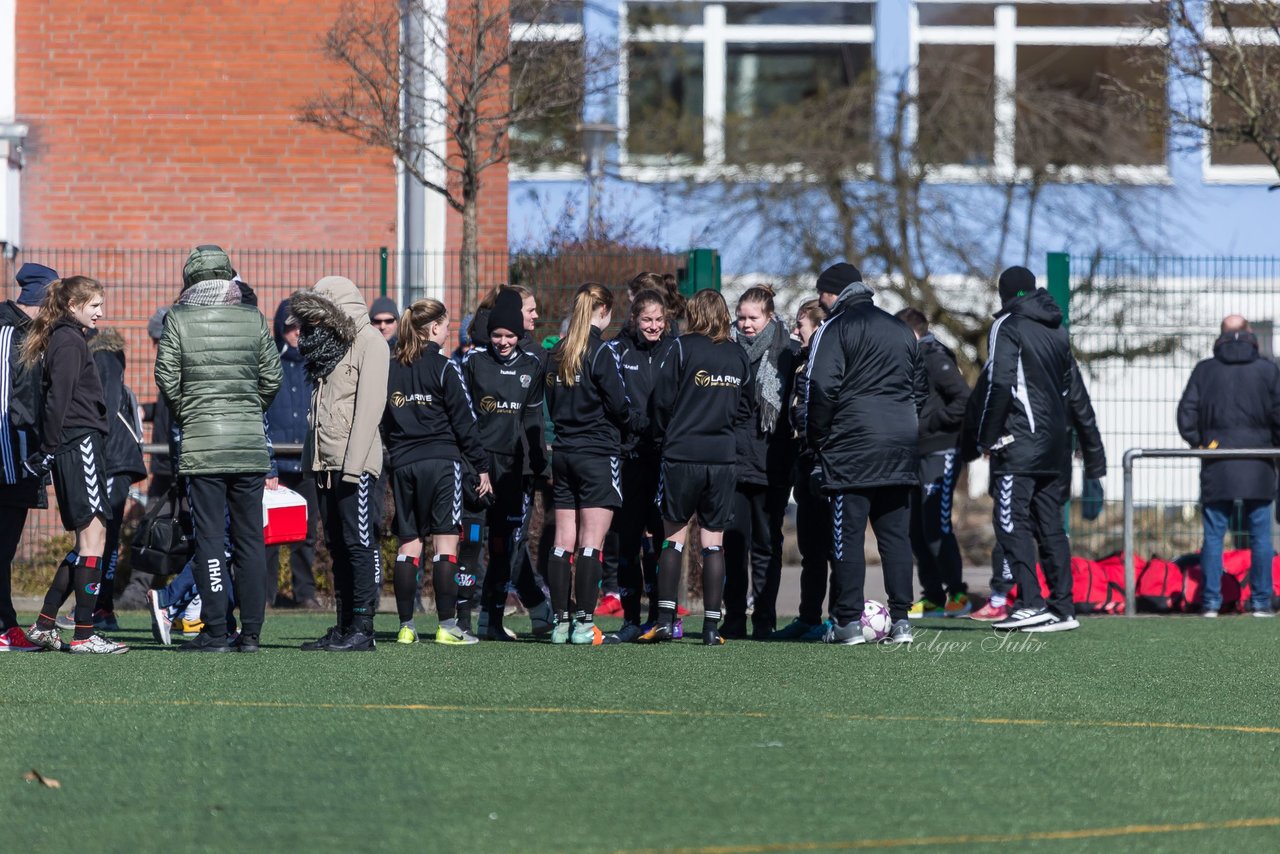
[
  {"x": 1057, "y": 624},
  {"x": 161, "y": 625},
  {"x": 97, "y": 644},
  {"x": 1024, "y": 618},
  {"x": 1209, "y": 613}
]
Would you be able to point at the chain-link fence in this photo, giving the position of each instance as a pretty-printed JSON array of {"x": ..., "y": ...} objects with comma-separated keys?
[
  {"x": 1140, "y": 324},
  {"x": 139, "y": 281}
]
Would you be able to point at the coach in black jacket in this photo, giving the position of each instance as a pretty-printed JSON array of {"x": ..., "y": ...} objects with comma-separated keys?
[
  {"x": 866, "y": 387},
  {"x": 1023, "y": 427},
  {"x": 1233, "y": 401},
  {"x": 938, "y": 560}
]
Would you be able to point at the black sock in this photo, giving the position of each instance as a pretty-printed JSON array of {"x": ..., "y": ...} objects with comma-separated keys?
[
  {"x": 404, "y": 580},
  {"x": 59, "y": 590},
  {"x": 588, "y": 570},
  {"x": 649, "y": 563},
  {"x": 87, "y": 575},
  {"x": 630, "y": 586},
  {"x": 559, "y": 579},
  {"x": 669, "y": 562},
  {"x": 444, "y": 579},
  {"x": 470, "y": 577},
  {"x": 107, "y": 589},
  {"x": 712, "y": 586}
]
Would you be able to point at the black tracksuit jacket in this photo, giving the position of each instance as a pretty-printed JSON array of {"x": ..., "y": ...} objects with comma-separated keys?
[
  {"x": 1233, "y": 400},
  {"x": 640, "y": 360},
  {"x": 943, "y": 412},
  {"x": 506, "y": 396},
  {"x": 701, "y": 394},
  {"x": 74, "y": 404},
  {"x": 20, "y": 388},
  {"x": 866, "y": 387},
  {"x": 428, "y": 414},
  {"x": 1024, "y": 406},
  {"x": 590, "y": 416}
]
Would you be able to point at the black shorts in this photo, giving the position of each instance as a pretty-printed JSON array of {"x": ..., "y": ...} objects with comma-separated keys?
[
  {"x": 428, "y": 497},
  {"x": 586, "y": 480},
  {"x": 80, "y": 482},
  {"x": 704, "y": 489}
]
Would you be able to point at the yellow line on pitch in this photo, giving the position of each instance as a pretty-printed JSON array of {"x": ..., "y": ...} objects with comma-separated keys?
[
  {"x": 682, "y": 713},
  {"x": 969, "y": 839}
]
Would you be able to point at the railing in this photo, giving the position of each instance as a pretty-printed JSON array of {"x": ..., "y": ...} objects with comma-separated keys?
[{"x": 1133, "y": 454}]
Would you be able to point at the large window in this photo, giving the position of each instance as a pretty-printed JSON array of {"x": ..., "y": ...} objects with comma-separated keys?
[
  {"x": 547, "y": 45},
  {"x": 738, "y": 83},
  {"x": 1249, "y": 50},
  {"x": 1031, "y": 85}
]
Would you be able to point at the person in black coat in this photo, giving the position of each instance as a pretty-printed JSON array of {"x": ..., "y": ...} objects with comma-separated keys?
[
  {"x": 1023, "y": 426},
  {"x": 20, "y": 387},
  {"x": 933, "y": 541},
  {"x": 866, "y": 387},
  {"x": 766, "y": 454},
  {"x": 287, "y": 424},
  {"x": 1233, "y": 401}
]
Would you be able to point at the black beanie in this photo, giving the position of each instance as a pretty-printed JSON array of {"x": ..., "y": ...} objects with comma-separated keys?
[
  {"x": 1016, "y": 282},
  {"x": 508, "y": 313},
  {"x": 837, "y": 277}
]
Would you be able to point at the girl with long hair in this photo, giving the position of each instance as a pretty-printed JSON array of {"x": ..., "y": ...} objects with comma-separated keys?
[
  {"x": 587, "y": 399},
  {"x": 641, "y": 346},
  {"x": 507, "y": 387},
  {"x": 430, "y": 430},
  {"x": 698, "y": 402},
  {"x": 813, "y": 510},
  {"x": 73, "y": 430}
]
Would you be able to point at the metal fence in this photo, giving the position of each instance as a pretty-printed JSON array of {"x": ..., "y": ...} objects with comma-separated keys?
[
  {"x": 139, "y": 281},
  {"x": 1140, "y": 325}
]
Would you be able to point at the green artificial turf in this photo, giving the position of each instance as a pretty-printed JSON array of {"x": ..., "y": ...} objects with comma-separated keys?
[{"x": 751, "y": 747}]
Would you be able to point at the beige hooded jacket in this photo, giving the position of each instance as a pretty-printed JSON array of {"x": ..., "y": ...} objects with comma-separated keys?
[{"x": 347, "y": 404}]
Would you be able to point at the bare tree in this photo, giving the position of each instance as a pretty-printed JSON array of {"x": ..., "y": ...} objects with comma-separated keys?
[
  {"x": 1224, "y": 63},
  {"x": 442, "y": 86},
  {"x": 922, "y": 203}
]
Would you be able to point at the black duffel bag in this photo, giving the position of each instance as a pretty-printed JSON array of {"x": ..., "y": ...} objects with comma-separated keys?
[{"x": 164, "y": 541}]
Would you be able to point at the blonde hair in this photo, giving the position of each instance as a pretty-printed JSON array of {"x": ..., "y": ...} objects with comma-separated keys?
[
  {"x": 492, "y": 297},
  {"x": 709, "y": 316},
  {"x": 57, "y": 303},
  {"x": 590, "y": 297},
  {"x": 758, "y": 295},
  {"x": 414, "y": 331},
  {"x": 813, "y": 310}
]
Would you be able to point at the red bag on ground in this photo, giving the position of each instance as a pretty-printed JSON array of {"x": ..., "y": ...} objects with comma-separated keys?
[
  {"x": 1191, "y": 598},
  {"x": 1044, "y": 586},
  {"x": 1236, "y": 563},
  {"x": 1094, "y": 588},
  {"x": 1159, "y": 583}
]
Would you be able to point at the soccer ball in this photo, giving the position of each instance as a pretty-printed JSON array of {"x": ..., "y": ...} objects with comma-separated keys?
[{"x": 875, "y": 621}]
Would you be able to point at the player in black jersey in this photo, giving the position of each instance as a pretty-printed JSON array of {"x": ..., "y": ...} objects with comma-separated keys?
[
  {"x": 641, "y": 346},
  {"x": 506, "y": 386},
  {"x": 590, "y": 411},
  {"x": 429, "y": 428},
  {"x": 699, "y": 398}
]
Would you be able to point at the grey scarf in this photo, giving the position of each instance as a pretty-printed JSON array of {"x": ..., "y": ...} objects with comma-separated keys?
[
  {"x": 763, "y": 351},
  {"x": 211, "y": 292}
]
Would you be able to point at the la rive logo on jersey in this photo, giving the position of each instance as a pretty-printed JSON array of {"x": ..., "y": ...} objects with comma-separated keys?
[
  {"x": 400, "y": 399},
  {"x": 705, "y": 379},
  {"x": 491, "y": 404}
]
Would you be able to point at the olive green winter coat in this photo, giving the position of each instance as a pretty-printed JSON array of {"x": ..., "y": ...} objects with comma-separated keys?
[{"x": 219, "y": 370}]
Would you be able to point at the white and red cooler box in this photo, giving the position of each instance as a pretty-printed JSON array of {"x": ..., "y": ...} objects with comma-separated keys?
[{"x": 284, "y": 516}]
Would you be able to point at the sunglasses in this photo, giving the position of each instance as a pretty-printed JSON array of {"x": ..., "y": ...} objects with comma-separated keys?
[{"x": 383, "y": 321}]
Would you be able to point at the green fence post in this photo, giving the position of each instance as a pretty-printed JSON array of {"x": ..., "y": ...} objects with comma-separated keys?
[
  {"x": 1058, "y": 266},
  {"x": 701, "y": 270},
  {"x": 382, "y": 271}
]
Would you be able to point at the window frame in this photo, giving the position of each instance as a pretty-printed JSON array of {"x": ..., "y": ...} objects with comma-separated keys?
[
  {"x": 1004, "y": 36},
  {"x": 715, "y": 35},
  {"x": 525, "y": 32},
  {"x": 1233, "y": 173}
]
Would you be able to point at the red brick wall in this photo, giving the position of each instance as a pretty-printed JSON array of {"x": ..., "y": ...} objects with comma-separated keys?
[{"x": 157, "y": 123}]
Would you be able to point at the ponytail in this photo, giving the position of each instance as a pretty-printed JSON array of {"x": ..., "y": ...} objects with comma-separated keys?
[
  {"x": 415, "y": 329},
  {"x": 62, "y": 294},
  {"x": 573, "y": 346}
]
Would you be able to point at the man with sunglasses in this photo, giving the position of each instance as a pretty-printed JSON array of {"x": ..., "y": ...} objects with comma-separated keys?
[{"x": 384, "y": 316}]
